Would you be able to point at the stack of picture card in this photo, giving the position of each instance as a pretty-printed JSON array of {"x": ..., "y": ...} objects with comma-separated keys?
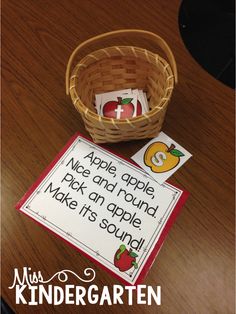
[{"x": 122, "y": 104}]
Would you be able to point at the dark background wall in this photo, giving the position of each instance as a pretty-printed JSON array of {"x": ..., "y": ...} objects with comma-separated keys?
[{"x": 208, "y": 31}]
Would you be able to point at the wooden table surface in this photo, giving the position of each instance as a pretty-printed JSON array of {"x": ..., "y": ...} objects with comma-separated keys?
[{"x": 195, "y": 267}]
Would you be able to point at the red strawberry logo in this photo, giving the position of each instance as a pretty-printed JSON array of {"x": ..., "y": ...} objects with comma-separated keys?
[
  {"x": 124, "y": 259},
  {"x": 121, "y": 109}
]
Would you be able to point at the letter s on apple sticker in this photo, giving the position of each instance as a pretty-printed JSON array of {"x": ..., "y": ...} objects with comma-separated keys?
[
  {"x": 161, "y": 158},
  {"x": 157, "y": 159}
]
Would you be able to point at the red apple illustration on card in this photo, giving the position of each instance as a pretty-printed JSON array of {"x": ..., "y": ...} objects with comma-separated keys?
[
  {"x": 125, "y": 259},
  {"x": 139, "y": 109},
  {"x": 123, "y": 108}
]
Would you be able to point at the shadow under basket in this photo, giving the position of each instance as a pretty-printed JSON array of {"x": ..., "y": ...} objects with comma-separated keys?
[{"x": 121, "y": 67}]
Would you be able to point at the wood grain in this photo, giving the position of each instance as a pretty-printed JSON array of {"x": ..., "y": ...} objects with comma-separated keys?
[{"x": 195, "y": 267}]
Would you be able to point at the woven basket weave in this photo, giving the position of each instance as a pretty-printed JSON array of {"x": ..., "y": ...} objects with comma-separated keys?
[{"x": 120, "y": 67}]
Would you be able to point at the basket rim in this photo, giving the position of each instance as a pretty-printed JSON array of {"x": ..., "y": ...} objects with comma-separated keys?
[{"x": 81, "y": 65}]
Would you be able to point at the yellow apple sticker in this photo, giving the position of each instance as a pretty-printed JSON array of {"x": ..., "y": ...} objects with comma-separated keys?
[{"x": 161, "y": 158}]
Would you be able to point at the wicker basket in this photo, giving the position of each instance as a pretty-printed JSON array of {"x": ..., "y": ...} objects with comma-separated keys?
[{"x": 120, "y": 67}]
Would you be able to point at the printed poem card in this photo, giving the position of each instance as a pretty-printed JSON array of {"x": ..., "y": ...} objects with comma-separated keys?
[{"x": 106, "y": 207}]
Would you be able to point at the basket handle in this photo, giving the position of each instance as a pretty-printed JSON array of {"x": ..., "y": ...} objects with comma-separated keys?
[{"x": 114, "y": 34}]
